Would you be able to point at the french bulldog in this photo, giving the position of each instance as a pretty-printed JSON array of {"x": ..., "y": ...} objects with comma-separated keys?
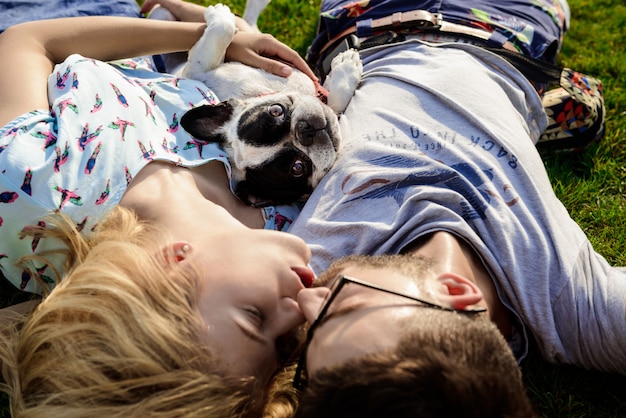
[{"x": 279, "y": 136}]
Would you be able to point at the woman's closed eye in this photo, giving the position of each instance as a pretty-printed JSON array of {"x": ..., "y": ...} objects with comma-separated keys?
[
  {"x": 255, "y": 327},
  {"x": 256, "y": 315}
]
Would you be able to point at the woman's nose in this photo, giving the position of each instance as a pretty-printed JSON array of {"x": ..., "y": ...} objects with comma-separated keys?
[
  {"x": 311, "y": 301},
  {"x": 287, "y": 316}
]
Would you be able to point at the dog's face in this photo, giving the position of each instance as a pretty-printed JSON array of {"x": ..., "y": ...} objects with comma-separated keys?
[{"x": 279, "y": 145}]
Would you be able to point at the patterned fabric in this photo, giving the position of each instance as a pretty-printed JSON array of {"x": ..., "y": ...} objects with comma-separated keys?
[
  {"x": 104, "y": 125},
  {"x": 576, "y": 116},
  {"x": 537, "y": 34}
]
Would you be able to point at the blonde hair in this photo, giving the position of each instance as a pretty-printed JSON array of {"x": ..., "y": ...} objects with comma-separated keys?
[
  {"x": 118, "y": 336},
  {"x": 283, "y": 398}
]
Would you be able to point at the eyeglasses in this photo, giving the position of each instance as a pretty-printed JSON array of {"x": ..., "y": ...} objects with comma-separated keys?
[{"x": 299, "y": 381}]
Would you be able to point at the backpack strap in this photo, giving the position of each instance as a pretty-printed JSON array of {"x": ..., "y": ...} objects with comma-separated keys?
[{"x": 540, "y": 72}]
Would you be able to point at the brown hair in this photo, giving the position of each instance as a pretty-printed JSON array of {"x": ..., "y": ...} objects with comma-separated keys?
[{"x": 119, "y": 336}]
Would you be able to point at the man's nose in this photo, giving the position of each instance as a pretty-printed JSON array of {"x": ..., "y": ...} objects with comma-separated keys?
[{"x": 311, "y": 301}]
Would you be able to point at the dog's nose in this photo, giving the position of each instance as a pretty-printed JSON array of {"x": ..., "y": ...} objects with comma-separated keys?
[{"x": 308, "y": 133}]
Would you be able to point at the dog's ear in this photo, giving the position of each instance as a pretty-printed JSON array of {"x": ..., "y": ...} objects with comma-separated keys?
[{"x": 203, "y": 122}]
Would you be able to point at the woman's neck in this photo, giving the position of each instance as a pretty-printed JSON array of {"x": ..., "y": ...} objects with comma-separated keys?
[{"x": 179, "y": 198}]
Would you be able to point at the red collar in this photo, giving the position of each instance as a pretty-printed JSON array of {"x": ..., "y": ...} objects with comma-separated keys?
[{"x": 321, "y": 92}]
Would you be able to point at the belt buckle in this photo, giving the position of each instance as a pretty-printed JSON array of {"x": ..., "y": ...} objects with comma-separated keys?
[
  {"x": 414, "y": 19},
  {"x": 434, "y": 22},
  {"x": 438, "y": 19}
]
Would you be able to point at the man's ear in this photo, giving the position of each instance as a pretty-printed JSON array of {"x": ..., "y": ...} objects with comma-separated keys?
[
  {"x": 457, "y": 291},
  {"x": 203, "y": 122}
]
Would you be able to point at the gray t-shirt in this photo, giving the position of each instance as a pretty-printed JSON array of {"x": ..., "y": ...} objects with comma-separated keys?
[{"x": 442, "y": 138}]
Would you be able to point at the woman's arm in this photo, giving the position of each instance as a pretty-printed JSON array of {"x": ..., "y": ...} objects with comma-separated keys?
[{"x": 30, "y": 50}]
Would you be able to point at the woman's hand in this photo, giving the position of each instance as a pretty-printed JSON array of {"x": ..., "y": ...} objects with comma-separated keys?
[{"x": 266, "y": 52}]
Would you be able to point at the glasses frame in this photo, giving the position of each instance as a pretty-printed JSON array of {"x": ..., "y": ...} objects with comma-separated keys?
[{"x": 298, "y": 381}]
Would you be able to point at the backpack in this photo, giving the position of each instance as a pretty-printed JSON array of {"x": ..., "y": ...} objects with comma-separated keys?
[
  {"x": 573, "y": 101},
  {"x": 576, "y": 114}
]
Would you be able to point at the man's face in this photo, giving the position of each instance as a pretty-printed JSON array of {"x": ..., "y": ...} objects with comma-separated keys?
[{"x": 362, "y": 320}]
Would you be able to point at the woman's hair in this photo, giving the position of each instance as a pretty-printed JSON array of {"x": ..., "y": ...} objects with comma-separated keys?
[
  {"x": 282, "y": 397},
  {"x": 120, "y": 335}
]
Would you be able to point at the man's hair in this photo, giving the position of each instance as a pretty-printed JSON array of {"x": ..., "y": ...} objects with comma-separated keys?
[
  {"x": 447, "y": 364},
  {"x": 405, "y": 264},
  {"x": 120, "y": 335}
]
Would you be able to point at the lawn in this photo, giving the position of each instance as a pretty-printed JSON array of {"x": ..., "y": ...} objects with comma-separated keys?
[{"x": 591, "y": 184}]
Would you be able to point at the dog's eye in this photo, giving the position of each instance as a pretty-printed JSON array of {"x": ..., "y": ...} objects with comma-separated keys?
[
  {"x": 298, "y": 168},
  {"x": 276, "y": 110}
]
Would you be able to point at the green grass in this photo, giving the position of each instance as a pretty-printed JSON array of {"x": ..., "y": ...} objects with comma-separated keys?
[{"x": 592, "y": 184}]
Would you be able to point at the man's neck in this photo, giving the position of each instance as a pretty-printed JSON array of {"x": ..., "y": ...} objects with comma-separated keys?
[{"x": 454, "y": 255}]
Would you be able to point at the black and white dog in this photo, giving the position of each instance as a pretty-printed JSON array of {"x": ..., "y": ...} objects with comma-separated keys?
[{"x": 279, "y": 136}]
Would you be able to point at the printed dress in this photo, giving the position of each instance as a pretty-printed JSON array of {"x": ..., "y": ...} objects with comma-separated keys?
[{"x": 105, "y": 123}]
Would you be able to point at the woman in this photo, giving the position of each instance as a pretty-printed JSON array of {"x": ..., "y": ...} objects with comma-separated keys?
[{"x": 172, "y": 298}]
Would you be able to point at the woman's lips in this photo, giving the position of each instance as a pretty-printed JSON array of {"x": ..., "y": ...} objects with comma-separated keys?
[{"x": 307, "y": 277}]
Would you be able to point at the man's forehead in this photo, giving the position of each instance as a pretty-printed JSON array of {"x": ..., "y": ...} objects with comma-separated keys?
[
  {"x": 382, "y": 276},
  {"x": 352, "y": 269}
]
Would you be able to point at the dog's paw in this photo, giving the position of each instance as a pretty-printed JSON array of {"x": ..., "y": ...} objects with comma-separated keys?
[
  {"x": 209, "y": 52},
  {"x": 343, "y": 79},
  {"x": 220, "y": 23},
  {"x": 219, "y": 14}
]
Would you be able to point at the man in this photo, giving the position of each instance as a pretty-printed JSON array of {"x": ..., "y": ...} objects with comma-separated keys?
[{"x": 439, "y": 162}]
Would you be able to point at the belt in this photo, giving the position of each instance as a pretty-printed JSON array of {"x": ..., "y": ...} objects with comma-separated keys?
[{"x": 394, "y": 28}]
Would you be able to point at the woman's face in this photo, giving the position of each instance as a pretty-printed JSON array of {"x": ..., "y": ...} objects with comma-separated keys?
[{"x": 248, "y": 298}]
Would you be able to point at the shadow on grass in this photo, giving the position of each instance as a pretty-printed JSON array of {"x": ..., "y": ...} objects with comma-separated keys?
[
  {"x": 566, "y": 391},
  {"x": 566, "y": 166}
]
